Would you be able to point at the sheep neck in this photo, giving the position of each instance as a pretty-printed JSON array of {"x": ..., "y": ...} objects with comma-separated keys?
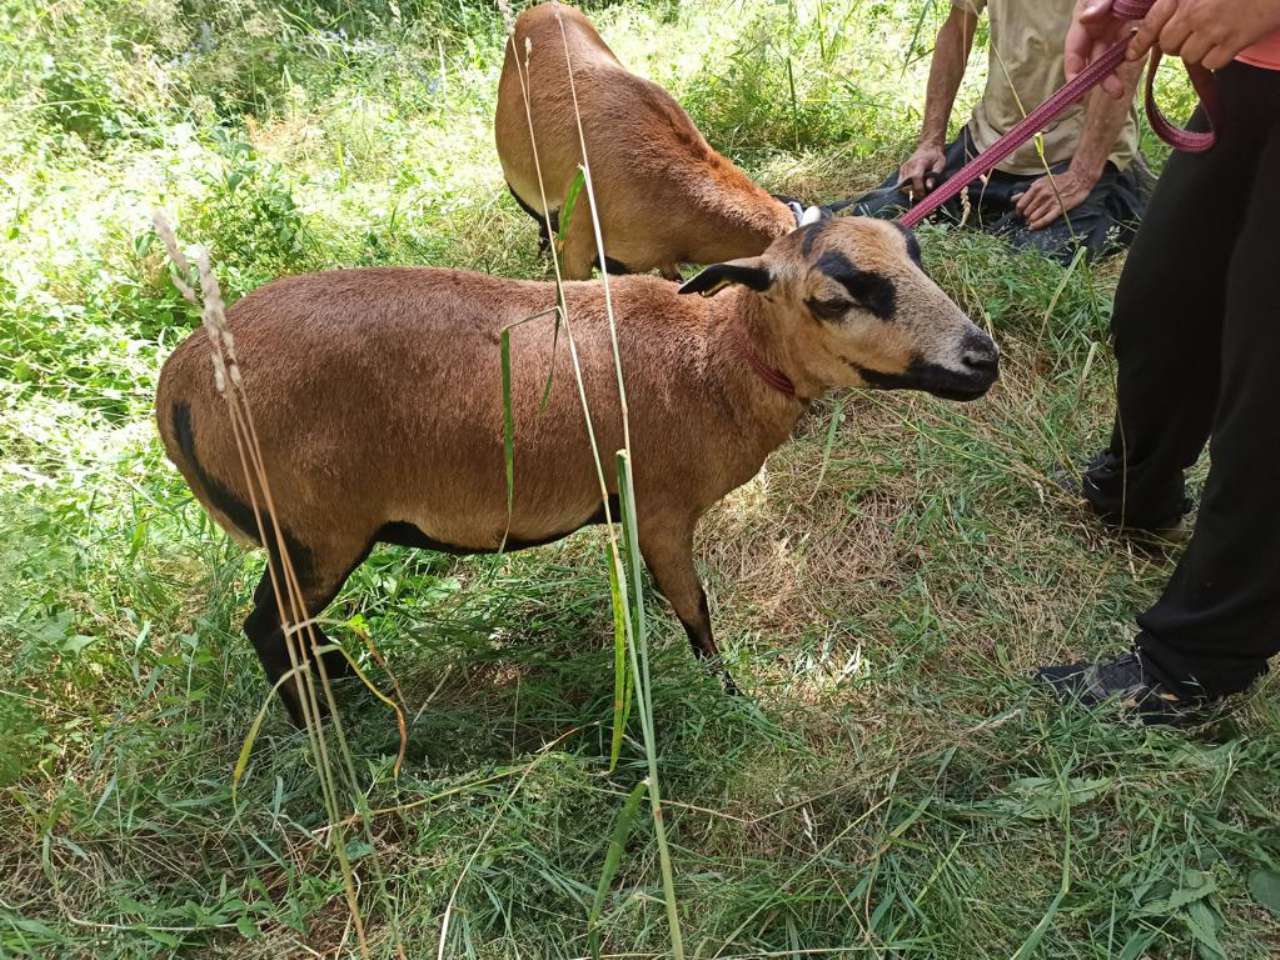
[{"x": 756, "y": 363}]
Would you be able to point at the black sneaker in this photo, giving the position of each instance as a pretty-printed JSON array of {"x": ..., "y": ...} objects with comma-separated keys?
[
  {"x": 1128, "y": 684},
  {"x": 1102, "y": 476}
]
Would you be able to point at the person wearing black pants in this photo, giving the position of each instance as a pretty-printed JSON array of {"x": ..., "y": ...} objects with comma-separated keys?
[{"x": 1197, "y": 340}]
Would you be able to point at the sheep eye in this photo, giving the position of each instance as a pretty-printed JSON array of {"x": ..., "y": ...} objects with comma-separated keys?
[{"x": 829, "y": 309}]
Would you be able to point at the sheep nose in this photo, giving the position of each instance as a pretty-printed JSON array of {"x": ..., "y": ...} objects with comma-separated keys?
[{"x": 980, "y": 354}]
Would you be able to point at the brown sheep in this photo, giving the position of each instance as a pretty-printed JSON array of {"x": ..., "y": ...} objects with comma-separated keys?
[
  {"x": 665, "y": 196},
  {"x": 378, "y": 400}
]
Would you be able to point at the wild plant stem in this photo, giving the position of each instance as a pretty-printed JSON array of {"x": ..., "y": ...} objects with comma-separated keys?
[{"x": 626, "y": 489}]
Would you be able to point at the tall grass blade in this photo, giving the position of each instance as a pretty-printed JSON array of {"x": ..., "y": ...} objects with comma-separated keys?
[
  {"x": 612, "y": 858},
  {"x": 631, "y": 551},
  {"x": 250, "y": 738},
  {"x": 1085, "y": 371},
  {"x": 566, "y": 215},
  {"x": 795, "y": 105},
  {"x": 837, "y": 418},
  {"x": 508, "y": 418},
  {"x": 291, "y": 606},
  {"x": 551, "y": 371},
  {"x": 373, "y": 689},
  {"x": 640, "y": 667},
  {"x": 1057, "y": 293},
  {"x": 1032, "y": 943},
  {"x": 635, "y": 626},
  {"x": 915, "y": 35},
  {"x": 620, "y": 686},
  {"x": 570, "y": 201}
]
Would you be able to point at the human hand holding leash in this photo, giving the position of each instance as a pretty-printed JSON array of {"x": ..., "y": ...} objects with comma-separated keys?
[
  {"x": 919, "y": 174},
  {"x": 1208, "y": 33},
  {"x": 1094, "y": 29}
]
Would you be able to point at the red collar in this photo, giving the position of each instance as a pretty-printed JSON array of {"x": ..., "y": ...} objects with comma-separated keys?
[{"x": 770, "y": 375}]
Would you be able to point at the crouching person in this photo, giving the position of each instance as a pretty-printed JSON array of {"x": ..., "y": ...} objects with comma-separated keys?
[{"x": 1084, "y": 190}]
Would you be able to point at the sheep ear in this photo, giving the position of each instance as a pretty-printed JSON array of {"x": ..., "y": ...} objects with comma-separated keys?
[
  {"x": 750, "y": 272},
  {"x": 814, "y": 215}
]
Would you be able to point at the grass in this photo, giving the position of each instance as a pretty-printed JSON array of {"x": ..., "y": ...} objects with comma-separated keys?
[{"x": 892, "y": 785}]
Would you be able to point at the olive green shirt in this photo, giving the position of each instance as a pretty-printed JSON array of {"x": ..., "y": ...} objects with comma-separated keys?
[{"x": 1025, "y": 66}]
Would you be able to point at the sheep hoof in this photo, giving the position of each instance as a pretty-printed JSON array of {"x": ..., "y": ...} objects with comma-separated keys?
[{"x": 730, "y": 688}]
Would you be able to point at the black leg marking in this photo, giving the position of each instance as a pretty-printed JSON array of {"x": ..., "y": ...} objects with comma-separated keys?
[
  {"x": 265, "y": 632},
  {"x": 544, "y": 238},
  {"x": 230, "y": 505},
  {"x": 405, "y": 534},
  {"x": 704, "y": 645},
  {"x": 262, "y": 626},
  {"x": 615, "y": 267}
]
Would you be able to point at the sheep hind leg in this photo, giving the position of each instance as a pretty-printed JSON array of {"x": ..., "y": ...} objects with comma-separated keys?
[
  {"x": 670, "y": 561},
  {"x": 578, "y": 253},
  {"x": 267, "y": 634},
  {"x": 544, "y": 237}
]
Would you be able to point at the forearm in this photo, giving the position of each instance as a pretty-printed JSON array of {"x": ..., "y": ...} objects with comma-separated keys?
[
  {"x": 946, "y": 71},
  {"x": 1105, "y": 117}
]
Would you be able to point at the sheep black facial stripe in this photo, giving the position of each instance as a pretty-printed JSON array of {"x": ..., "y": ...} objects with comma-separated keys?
[
  {"x": 872, "y": 291},
  {"x": 811, "y": 235},
  {"x": 913, "y": 245}
]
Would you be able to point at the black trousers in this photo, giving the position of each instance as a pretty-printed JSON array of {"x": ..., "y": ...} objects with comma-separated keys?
[
  {"x": 1197, "y": 338},
  {"x": 1106, "y": 220}
]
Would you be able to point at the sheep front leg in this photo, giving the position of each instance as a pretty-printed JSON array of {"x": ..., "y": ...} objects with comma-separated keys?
[
  {"x": 321, "y": 573},
  {"x": 668, "y": 552},
  {"x": 578, "y": 255}
]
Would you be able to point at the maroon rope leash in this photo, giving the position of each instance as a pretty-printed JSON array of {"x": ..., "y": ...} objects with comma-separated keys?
[
  {"x": 1186, "y": 140},
  {"x": 1085, "y": 81}
]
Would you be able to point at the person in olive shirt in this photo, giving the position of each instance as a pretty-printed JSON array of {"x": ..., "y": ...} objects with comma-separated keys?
[{"x": 1083, "y": 189}]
